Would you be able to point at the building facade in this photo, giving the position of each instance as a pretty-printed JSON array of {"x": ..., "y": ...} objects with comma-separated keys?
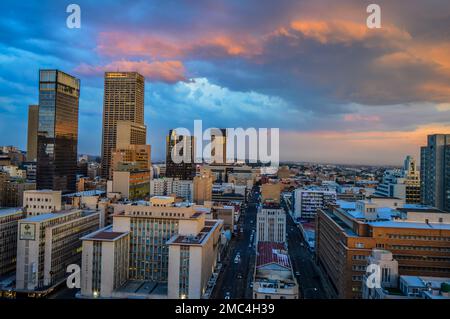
[
  {"x": 435, "y": 171},
  {"x": 47, "y": 244},
  {"x": 271, "y": 223},
  {"x": 58, "y": 131},
  {"x": 33, "y": 124},
  {"x": 9, "y": 219},
  {"x": 123, "y": 101}
]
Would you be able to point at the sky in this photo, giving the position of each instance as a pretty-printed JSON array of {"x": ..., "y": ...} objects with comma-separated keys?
[{"x": 338, "y": 91}]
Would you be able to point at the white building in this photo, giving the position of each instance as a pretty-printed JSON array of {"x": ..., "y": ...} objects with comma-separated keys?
[
  {"x": 271, "y": 223},
  {"x": 47, "y": 244},
  {"x": 391, "y": 285},
  {"x": 105, "y": 262},
  {"x": 9, "y": 219},
  {"x": 171, "y": 186},
  {"x": 308, "y": 200},
  {"x": 37, "y": 202}
]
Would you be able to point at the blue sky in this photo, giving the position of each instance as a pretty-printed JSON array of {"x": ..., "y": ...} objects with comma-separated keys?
[{"x": 338, "y": 91}]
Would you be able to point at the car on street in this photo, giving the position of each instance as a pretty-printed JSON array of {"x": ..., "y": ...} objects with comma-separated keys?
[
  {"x": 297, "y": 273},
  {"x": 239, "y": 276},
  {"x": 227, "y": 295}
]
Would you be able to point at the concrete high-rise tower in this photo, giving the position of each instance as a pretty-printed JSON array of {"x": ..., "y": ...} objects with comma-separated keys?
[{"x": 123, "y": 102}]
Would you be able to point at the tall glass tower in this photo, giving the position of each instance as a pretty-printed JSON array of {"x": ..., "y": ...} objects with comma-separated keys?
[{"x": 58, "y": 131}]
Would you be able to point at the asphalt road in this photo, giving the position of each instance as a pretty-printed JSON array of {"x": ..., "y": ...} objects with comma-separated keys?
[
  {"x": 303, "y": 263},
  {"x": 236, "y": 278}
]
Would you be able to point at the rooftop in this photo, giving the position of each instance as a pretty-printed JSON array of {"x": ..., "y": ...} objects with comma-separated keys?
[
  {"x": 401, "y": 224},
  {"x": 105, "y": 234},
  {"x": 270, "y": 252},
  {"x": 9, "y": 211}
]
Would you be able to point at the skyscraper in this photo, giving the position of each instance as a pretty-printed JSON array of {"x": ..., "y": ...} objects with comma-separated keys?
[
  {"x": 219, "y": 146},
  {"x": 435, "y": 171},
  {"x": 58, "y": 131},
  {"x": 123, "y": 101},
  {"x": 33, "y": 123},
  {"x": 184, "y": 147}
]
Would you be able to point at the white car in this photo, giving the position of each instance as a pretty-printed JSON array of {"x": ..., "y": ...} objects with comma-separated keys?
[{"x": 227, "y": 295}]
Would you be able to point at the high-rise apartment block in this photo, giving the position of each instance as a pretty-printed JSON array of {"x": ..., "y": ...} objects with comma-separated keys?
[
  {"x": 58, "y": 131},
  {"x": 123, "y": 114},
  {"x": 435, "y": 171},
  {"x": 33, "y": 124}
]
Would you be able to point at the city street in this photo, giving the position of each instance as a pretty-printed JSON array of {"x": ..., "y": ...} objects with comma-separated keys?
[
  {"x": 302, "y": 261},
  {"x": 236, "y": 278}
]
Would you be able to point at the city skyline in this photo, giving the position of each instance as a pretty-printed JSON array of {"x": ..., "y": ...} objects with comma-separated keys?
[{"x": 275, "y": 65}]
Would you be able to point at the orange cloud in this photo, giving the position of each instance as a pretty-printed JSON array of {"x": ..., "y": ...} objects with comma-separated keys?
[
  {"x": 344, "y": 31},
  {"x": 157, "y": 46},
  {"x": 165, "y": 71}
]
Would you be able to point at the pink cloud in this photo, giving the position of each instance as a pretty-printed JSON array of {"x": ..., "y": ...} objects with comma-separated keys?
[
  {"x": 165, "y": 71},
  {"x": 361, "y": 118}
]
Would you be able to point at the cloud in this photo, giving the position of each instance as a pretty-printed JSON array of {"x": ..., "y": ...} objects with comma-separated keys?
[{"x": 165, "y": 71}]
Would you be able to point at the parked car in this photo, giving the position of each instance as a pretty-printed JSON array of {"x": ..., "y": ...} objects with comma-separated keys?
[{"x": 227, "y": 295}]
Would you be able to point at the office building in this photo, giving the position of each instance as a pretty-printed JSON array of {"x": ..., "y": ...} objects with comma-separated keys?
[
  {"x": 33, "y": 124},
  {"x": 38, "y": 202},
  {"x": 173, "y": 250},
  {"x": 123, "y": 101},
  {"x": 58, "y": 131},
  {"x": 401, "y": 183},
  {"x": 273, "y": 276},
  {"x": 393, "y": 286},
  {"x": 105, "y": 262},
  {"x": 418, "y": 238},
  {"x": 131, "y": 153},
  {"x": 308, "y": 200},
  {"x": 435, "y": 172},
  {"x": 203, "y": 186},
  {"x": 271, "y": 223},
  {"x": 218, "y": 146},
  {"x": 47, "y": 244},
  {"x": 271, "y": 192},
  {"x": 9, "y": 218},
  {"x": 132, "y": 184},
  {"x": 180, "y": 156}
]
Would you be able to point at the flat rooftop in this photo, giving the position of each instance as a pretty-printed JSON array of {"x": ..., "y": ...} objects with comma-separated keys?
[
  {"x": 400, "y": 224},
  {"x": 105, "y": 234},
  {"x": 9, "y": 210}
]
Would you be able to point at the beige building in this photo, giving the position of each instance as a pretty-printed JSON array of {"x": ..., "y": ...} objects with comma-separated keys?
[
  {"x": 37, "y": 202},
  {"x": 193, "y": 256},
  {"x": 133, "y": 184},
  {"x": 271, "y": 223},
  {"x": 203, "y": 186},
  {"x": 47, "y": 244},
  {"x": 123, "y": 101},
  {"x": 105, "y": 262},
  {"x": 9, "y": 218},
  {"x": 33, "y": 123},
  {"x": 131, "y": 153},
  {"x": 273, "y": 277},
  {"x": 156, "y": 232},
  {"x": 271, "y": 192}
]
